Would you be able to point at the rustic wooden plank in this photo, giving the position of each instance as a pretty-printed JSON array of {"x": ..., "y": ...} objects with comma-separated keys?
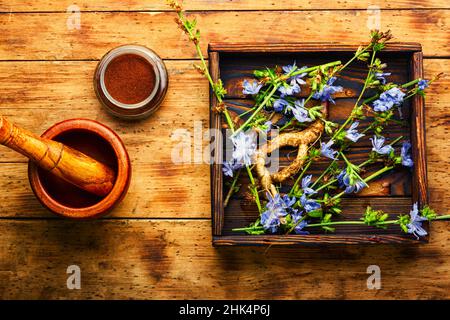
[
  {"x": 46, "y": 36},
  {"x": 148, "y": 259},
  {"x": 437, "y": 119},
  {"x": 111, "y": 5},
  {"x": 156, "y": 190},
  {"x": 420, "y": 192},
  {"x": 320, "y": 46}
]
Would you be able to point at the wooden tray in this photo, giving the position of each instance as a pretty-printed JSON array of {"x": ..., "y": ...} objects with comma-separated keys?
[{"x": 393, "y": 193}]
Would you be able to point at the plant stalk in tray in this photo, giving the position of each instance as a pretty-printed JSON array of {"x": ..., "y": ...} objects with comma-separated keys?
[{"x": 314, "y": 202}]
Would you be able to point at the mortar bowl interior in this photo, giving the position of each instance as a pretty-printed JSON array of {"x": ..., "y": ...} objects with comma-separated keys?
[{"x": 97, "y": 141}]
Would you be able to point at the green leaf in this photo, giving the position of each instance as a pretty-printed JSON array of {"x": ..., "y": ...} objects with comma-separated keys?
[
  {"x": 316, "y": 213},
  {"x": 428, "y": 213}
]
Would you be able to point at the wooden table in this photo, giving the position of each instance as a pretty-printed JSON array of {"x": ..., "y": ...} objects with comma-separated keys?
[{"x": 157, "y": 243}]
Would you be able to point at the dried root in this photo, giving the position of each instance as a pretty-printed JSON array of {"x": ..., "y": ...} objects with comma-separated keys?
[{"x": 302, "y": 140}]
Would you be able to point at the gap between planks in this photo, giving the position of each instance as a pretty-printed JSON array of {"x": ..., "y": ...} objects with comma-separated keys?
[{"x": 193, "y": 11}]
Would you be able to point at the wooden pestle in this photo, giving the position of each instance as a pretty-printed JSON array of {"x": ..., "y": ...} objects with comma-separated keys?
[{"x": 63, "y": 161}]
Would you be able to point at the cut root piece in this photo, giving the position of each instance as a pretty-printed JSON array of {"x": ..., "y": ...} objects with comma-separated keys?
[{"x": 301, "y": 139}]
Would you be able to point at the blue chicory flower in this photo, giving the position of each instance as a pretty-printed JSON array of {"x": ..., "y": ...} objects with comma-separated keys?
[
  {"x": 380, "y": 76},
  {"x": 422, "y": 84},
  {"x": 377, "y": 143},
  {"x": 299, "y": 111},
  {"x": 280, "y": 104},
  {"x": 270, "y": 219},
  {"x": 299, "y": 226},
  {"x": 287, "y": 204},
  {"x": 289, "y": 89},
  {"x": 276, "y": 209},
  {"x": 407, "y": 161},
  {"x": 309, "y": 204},
  {"x": 352, "y": 134},
  {"x": 244, "y": 147},
  {"x": 289, "y": 68},
  {"x": 327, "y": 151},
  {"x": 415, "y": 223},
  {"x": 344, "y": 182},
  {"x": 297, "y": 78},
  {"x": 230, "y": 166},
  {"x": 340, "y": 178},
  {"x": 388, "y": 99},
  {"x": 306, "y": 181},
  {"x": 251, "y": 87},
  {"x": 327, "y": 91}
]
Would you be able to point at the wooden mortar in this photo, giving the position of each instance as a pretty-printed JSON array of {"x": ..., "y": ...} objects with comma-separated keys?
[
  {"x": 65, "y": 162},
  {"x": 96, "y": 141}
]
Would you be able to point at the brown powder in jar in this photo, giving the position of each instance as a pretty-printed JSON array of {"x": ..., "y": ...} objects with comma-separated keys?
[{"x": 129, "y": 78}]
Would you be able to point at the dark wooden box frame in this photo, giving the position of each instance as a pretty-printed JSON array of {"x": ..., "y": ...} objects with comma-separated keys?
[{"x": 419, "y": 176}]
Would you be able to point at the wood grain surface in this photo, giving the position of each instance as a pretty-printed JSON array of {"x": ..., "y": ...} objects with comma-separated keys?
[
  {"x": 157, "y": 243},
  {"x": 152, "y": 5},
  {"x": 122, "y": 259},
  {"x": 45, "y": 36}
]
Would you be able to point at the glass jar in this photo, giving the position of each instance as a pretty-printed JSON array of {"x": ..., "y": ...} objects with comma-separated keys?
[{"x": 131, "y": 81}]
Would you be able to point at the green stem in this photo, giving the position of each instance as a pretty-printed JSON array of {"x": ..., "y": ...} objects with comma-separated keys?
[
  {"x": 366, "y": 180},
  {"x": 308, "y": 98},
  {"x": 354, "y": 57},
  {"x": 405, "y": 85},
  {"x": 396, "y": 140},
  {"x": 247, "y": 112},
  {"x": 337, "y": 223},
  {"x": 300, "y": 177},
  {"x": 378, "y": 173},
  {"x": 252, "y": 180},
  {"x": 411, "y": 83},
  {"x": 366, "y": 82},
  {"x": 444, "y": 217},
  {"x": 231, "y": 191},
  {"x": 334, "y": 180},
  {"x": 345, "y": 158},
  {"x": 307, "y": 70},
  {"x": 352, "y": 222},
  {"x": 323, "y": 174},
  {"x": 295, "y": 225},
  {"x": 277, "y": 85},
  {"x": 369, "y": 161},
  {"x": 367, "y": 78},
  {"x": 326, "y": 185},
  {"x": 287, "y": 124},
  {"x": 258, "y": 109},
  {"x": 248, "y": 228},
  {"x": 205, "y": 68}
]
